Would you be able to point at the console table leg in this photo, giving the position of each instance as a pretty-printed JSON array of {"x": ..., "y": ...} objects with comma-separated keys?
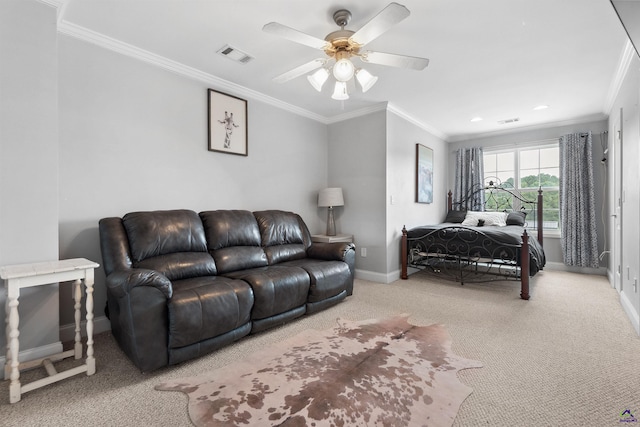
[
  {"x": 91, "y": 361},
  {"x": 14, "y": 346},
  {"x": 77, "y": 295},
  {"x": 7, "y": 365}
]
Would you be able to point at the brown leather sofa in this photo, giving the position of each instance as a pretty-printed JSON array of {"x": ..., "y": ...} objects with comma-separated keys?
[{"x": 182, "y": 284}]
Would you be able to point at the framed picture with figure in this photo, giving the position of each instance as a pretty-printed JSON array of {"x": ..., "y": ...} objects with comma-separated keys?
[
  {"x": 424, "y": 174},
  {"x": 227, "y": 117}
]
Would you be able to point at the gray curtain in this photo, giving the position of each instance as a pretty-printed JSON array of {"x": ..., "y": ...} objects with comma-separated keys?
[
  {"x": 467, "y": 194},
  {"x": 577, "y": 201}
]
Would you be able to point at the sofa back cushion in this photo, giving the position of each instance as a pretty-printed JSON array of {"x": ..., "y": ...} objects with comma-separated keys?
[
  {"x": 233, "y": 240},
  {"x": 284, "y": 235},
  {"x": 171, "y": 242}
]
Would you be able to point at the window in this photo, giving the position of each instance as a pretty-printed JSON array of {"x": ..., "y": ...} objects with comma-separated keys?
[{"x": 527, "y": 169}]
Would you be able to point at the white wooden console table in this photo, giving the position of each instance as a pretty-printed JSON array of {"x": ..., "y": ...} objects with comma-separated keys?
[{"x": 21, "y": 276}]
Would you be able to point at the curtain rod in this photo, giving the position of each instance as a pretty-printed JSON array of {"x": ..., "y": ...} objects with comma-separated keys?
[
  {"x": 517, "y": 144},
  {"x": 525, "y": 143},
  {"x": 601, "y": 133}
]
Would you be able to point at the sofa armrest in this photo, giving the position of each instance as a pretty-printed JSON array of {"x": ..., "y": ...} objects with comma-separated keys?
[
  {"x": 331, "y": 251},
  {"x": 337, "y": 251},
  {"x": 121, "y": 282}
]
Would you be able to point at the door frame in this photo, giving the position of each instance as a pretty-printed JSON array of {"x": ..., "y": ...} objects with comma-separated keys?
[{"x": 616, "y": 215}]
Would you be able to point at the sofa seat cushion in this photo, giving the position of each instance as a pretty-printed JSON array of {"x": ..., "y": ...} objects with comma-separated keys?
[
  {"x": 328, "y": 278},
  {"x": 205, "y": 307},
  {"x": 276, "y": 289}
]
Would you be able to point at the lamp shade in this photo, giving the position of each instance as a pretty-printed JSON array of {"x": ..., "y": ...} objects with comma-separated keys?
[
  {"x": 340, "y": 91},
  {"x": 365, "y": 79},
  {"x": 330, "y": 197},
  {"x": 318, "y": 78}
]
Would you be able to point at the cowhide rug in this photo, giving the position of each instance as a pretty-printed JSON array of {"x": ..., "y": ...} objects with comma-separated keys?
[{"x": 388, "y": 373}]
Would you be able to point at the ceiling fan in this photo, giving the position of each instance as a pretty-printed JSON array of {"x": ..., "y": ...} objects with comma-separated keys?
[{"x": 342, "y": 45}]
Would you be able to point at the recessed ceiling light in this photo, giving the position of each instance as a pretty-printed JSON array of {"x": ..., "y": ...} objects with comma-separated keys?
[
  {"x": 476, "y": 119},
  {"x": 540, "y": 107}
]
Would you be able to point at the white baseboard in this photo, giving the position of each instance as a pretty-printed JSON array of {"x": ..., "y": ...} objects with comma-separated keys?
[
  {"x": 34, "y": 353},
  {"x": 611, "y": 278},
  {"x": 100, "y": 324},
  {"x": 558, "y": 266},
  {"x": 67, "y": 333},
  {"x": 632, "y": 314},
  {"x": 391, "y": 277},
  {"x": 373, "y": 276}
]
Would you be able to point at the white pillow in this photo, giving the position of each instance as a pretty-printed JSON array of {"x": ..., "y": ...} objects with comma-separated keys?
[{"x": 490, "y": 218}]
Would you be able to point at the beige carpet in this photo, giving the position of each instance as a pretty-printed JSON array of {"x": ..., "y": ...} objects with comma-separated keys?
[
  {"x": 375, "y": 372},
  {"x": 567, "y": 357}
]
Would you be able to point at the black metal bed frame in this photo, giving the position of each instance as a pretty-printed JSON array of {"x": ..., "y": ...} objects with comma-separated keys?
[{"x": 470, "y": 255}]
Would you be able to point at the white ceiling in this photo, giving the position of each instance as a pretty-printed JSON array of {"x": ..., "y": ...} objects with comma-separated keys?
[{"x": 496, "y": 59}]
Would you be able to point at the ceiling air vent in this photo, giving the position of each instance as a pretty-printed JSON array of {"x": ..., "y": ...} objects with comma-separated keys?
[
  {"x": 507, "y": 121},
  {"x": 235, "y": 54}
]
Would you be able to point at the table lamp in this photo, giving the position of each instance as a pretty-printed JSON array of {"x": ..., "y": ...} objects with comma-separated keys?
[{"x": 330, "y": 197}]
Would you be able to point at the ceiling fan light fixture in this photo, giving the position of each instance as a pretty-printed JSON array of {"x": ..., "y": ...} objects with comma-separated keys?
[
  {"x": 343, "y": 70},
  {"x": 365, "y": 79},
  {"x": 342, "y": 45},
  {"x": 340, "y": 91},
  {"x": 318, "y": 78}
]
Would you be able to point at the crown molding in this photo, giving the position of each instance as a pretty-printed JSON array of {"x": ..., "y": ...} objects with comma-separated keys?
[
  {"x": 381, "y": 106},
  {"x": 387, "y": 106},
  {"x": 109, "y": 43},
  {"x": 58, "y": 4},
  {"x": 98, "y": 39},
  {"x": 90, "y": 36},
  {"x": 424, "y": 126},
  {"x": 574, "y": 121},
  {"x": 624, "y": 63}
]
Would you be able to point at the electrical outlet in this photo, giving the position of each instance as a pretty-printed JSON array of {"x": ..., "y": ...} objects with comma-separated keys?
[{"x": 363, "y": 252}]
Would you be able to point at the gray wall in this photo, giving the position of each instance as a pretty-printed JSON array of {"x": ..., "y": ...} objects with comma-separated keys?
[
  {"x": 552, "y": 246},
  {"x": 357, "y": 150},
  {"x": 401, "y": 184},
  {"x": 373, "y": 158},
  {"x": 134, "y": 137},
  {"x": 29, "y": 160}
]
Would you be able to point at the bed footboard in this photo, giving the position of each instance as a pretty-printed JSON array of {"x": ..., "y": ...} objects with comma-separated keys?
[{"x": 466, "y": 254}]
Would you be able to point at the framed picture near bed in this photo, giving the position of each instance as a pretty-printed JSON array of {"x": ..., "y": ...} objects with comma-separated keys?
[
  {"x": 424, "y": 174},
  {"x": 227, "y": 123}
]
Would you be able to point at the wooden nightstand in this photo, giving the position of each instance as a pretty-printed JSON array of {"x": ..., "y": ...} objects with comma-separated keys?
[{"x": 323, "y": 238}]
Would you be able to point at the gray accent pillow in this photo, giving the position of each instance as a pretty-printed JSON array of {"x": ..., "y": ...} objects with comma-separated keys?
[
  {"x": 516, "y": 218},
  {"x": 455, "y": 216}
]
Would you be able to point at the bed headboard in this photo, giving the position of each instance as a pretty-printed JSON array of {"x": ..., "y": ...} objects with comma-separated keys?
[{"x": 503, "y": 197}]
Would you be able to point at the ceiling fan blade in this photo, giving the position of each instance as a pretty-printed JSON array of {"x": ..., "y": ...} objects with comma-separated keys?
[
  {"x": 294, "y": 35},
  {"x": 298, "y": 71},
  {"x": 401, "y": 61},
  {"x": 387, "y": 18}
]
